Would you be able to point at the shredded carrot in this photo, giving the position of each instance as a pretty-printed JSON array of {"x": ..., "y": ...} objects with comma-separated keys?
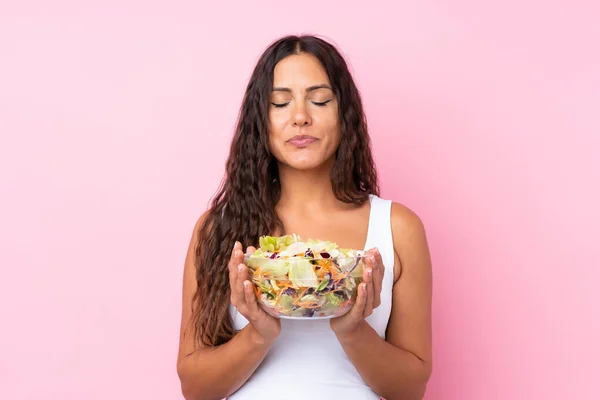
[
  {"x": 278, "y": 297},
  {"x": 338, "y": 277},
  {"x": 300, "y": 296}
]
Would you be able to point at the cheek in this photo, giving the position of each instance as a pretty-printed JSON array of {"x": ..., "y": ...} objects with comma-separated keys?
[
  {"x": 276, "y": 133},
  {"x": 332, "y": 126},
  {"x": 277, "y": 123},
  {"x": 330, "y": 117}
]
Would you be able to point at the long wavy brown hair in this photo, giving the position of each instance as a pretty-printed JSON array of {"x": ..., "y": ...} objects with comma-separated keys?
[{"x": 244, "y": 207}]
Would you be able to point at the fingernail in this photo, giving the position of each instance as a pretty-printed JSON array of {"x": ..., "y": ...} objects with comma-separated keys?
[
  {"x": 364, "y": 288},
  {"x": 369, "y": 271},
  {"x": 240, "y": 267}
]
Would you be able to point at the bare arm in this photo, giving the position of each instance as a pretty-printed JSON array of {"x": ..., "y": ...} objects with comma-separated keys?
[
  {"x": 400, "y": 367},
  {"x": 214, "y": 372}
]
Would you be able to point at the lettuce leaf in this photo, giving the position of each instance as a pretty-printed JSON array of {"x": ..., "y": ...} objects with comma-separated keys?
[
  {"x": 333, "y": 299},
  {"x": 301, "y": 273},
  {"x": 275, "y": 269},
  {"x": 274, "y": 243}
]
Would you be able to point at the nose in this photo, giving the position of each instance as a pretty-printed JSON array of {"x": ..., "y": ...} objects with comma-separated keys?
[{"x": 301, "y": 116}]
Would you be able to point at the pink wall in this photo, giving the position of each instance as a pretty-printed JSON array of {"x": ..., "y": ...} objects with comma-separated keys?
[{"x": 115, "y": 121}]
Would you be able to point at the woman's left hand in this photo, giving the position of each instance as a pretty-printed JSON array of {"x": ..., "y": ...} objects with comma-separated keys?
[{"x": 368, "y": 297}]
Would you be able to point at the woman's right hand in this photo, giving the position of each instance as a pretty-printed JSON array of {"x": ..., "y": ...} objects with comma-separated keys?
[{"x": 266, "y": 327}]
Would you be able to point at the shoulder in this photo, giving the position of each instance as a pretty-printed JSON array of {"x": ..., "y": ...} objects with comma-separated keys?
[
  {"x": 409, "y": 238},
  {"x": 205, "y": 219},
  {"x": 405, "y": 221},
  {"x": 199, "y": 225}
]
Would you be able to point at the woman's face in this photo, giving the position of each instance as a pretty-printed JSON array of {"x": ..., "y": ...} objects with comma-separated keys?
[{"x": 303, "y": 114}]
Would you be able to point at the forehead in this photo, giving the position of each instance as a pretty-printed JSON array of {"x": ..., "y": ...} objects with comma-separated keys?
[{"x": 299, "y": 70}]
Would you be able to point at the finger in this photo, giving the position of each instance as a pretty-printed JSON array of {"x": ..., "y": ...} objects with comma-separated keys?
[
  {"x": 237, "y": 288},
  {"x": 378, "y": 273},
  {"x": 237, "y": 246},
  {"x": 375, "y": 256},
  {"x": 242, "y": 273},
  {"x": 368, "y": 310},
  {"x": 369, "y": 260},
  {"x": 232, "y": 275},
  {"x": 237, "y": 256},
  {"x": 361, "y": 300},
  {"x": 379, "y": 262},
  {"x": 368, "y": 282},
  {"x": 377, "y": 285},
  {"x": 250, "y": 271},
  {"x": 250, "y": 298},
  {"x": 238, "y": 253},
  {"x": 367, "y": 267}
]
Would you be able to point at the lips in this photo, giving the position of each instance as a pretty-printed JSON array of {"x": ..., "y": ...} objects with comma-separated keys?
[{"x": 302, "y": 140}]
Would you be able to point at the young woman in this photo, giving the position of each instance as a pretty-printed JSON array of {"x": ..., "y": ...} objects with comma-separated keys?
[{"x": 300, "y": 162}]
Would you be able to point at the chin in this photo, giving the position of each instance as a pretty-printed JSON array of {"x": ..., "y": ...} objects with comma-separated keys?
[
  {"x": 303, "y": 166},
  {"x": 304, "y": 163}
]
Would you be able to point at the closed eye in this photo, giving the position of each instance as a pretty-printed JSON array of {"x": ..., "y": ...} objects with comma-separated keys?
[
  {"x": 316, "y": 103},
  {"x": 321, "y": 104}
]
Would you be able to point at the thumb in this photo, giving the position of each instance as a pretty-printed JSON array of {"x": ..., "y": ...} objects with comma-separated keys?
[{"x": 239, "y": 252}]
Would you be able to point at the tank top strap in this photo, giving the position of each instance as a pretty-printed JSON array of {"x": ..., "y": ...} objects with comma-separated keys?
[{"x": 380, "y": 232}]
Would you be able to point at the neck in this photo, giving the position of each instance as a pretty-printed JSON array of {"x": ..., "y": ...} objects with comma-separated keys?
[{"x": 307, "y": 189}]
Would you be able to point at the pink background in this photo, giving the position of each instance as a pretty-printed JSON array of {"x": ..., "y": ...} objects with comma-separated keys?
[{"x": 115, "y": 121}]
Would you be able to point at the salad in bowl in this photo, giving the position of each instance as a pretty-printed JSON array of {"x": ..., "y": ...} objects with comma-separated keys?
[{"x": 298, "y": 279}]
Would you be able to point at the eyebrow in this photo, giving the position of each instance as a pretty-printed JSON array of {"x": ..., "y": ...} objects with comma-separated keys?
[{"x": 309, "y": 89}]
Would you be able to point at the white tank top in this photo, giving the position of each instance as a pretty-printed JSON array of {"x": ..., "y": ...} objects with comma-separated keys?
[{"x": 307, "y": 361}]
